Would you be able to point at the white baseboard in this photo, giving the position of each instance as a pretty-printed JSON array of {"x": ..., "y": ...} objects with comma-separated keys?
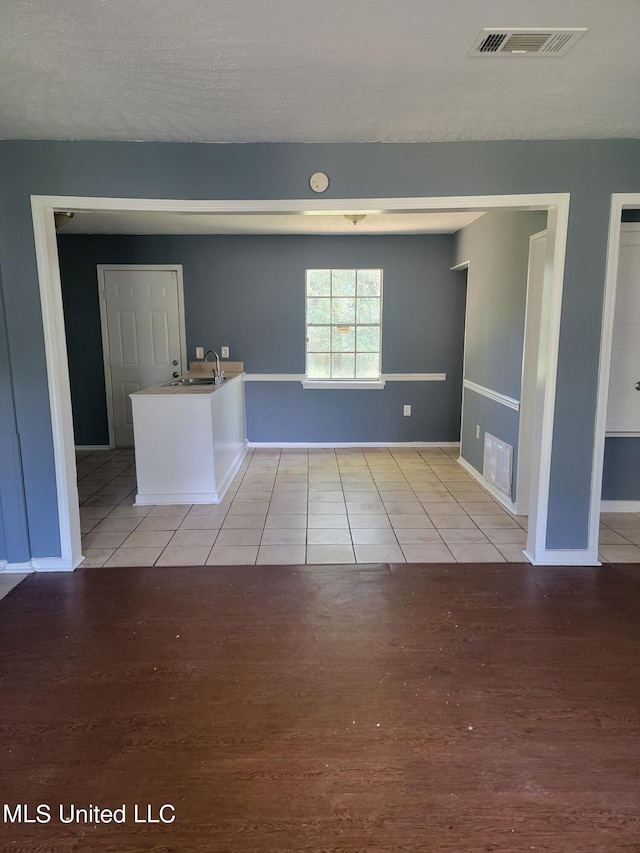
[
  {"x": 177, "y": 498},
  {"x": 39, "y": 564},
  {"x": 620, "y": 506},
  {"x": 487, "y": 486},
  {"x": 54, "y": 564},
  {"x": 302, "y": 445},
  {"x": 224, "y": 485},
  {"x": 563, "y": 558},
  {"x": 13, "y": 568},
  {"x": 95, "y": 447}
]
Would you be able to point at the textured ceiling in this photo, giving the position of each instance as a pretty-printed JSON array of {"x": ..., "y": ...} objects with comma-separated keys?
[
  {"x": 311, "y": 71},
  {"x": 135, "y": 222}
]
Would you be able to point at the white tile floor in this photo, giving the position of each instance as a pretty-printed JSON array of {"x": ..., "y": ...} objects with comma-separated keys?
[
  {"x": 9, "y": 581},
  {"x": 354, "y": 505}
]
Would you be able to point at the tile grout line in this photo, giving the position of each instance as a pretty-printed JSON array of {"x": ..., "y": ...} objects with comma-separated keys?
[{"x": 405, "y": 469}]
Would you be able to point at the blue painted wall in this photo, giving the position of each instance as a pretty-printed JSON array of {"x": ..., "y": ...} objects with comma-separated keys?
[
  {"x": 247, "y": 292},
  {"x": 497, "y": 249},
  {"x": 14, "y": 539},
  {"x": 590, "y": 170},
  {"x": 491, "y": 417},
  {"x": 621, "y": 476}
]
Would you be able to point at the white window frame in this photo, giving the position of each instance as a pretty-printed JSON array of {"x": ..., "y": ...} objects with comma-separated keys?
[{"x": 343, "y": 384}]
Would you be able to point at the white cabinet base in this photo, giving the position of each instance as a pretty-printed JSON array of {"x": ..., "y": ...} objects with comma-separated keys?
[
  {"x": 195, "y": 497},
  {"x": 189, "y": 444}
]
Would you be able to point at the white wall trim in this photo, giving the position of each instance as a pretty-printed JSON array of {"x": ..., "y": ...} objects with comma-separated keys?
[
  {"x": 106, "y": 347},
  {"x": 522, "y": 201},
  {"x": 487, "y": 486},
  {"x": 274, "y": 377},
  {"x": 532, "y": 323},
  {"x": 15, "y": 568},
  {"x": 157, "y": 499},
  {"x": 622, "y": 435},
  {"x": 338, "y": 444},
  {"x": 546, "y": 378},
  {"x": 223, "y": 485},
  {"x": 496, "y": 396},
  {"x": 618, "y": 202},
  {"x": 343, "y": 385},
  {"x": 43, "y": 207},
  {"x": 563, "y": 558},
  {"x": 619, "y": 506},
  {"x": 414, "y": 377},
  {"x": 39, "y": 564},
  {"x": 464, "y": 266},
  {"x": 93, "y": 447},
  {"x": 385, "y": 377},
  {"x": 58, "y": 381},
  {"x": 54, "y": 564}
]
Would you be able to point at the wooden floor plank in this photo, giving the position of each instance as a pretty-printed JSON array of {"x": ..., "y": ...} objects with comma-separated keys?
[{"x": 316, "y": 708}]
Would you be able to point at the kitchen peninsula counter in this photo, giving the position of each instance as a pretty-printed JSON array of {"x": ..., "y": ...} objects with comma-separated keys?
[{"x": 190, "y": 440}]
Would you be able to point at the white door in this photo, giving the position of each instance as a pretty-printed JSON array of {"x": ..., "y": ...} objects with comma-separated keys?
[
  {"x": 623, "y": 411},
  {"x": 143, "y": 336}
]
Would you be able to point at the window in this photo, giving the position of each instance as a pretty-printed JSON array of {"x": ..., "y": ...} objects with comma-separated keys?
[{"x": 343, "y": 325}]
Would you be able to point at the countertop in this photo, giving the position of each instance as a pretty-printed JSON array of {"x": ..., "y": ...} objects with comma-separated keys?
[{"x": 163, "y": 390}]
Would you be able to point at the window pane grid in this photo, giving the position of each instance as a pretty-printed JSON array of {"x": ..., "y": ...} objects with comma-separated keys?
[{"x": 343, "y": 321}]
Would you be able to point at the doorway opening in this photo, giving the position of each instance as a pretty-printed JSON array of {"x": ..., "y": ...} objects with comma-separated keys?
[
  {"x": 53, "y": 321},
  {"x": 615, "y": 495}
]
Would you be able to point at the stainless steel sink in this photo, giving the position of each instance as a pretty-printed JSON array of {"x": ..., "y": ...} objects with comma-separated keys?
[{"x": 193, "y": 380}]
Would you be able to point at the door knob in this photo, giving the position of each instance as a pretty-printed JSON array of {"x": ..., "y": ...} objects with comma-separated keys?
[
  {"x": 637, "y": 386},
  {"x": 175, "y": 374},
  {"x": 175, "y": 362}
]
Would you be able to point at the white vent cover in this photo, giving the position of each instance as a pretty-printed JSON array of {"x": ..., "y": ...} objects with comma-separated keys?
[
  {"x": 532, "y": 41},
  {"x": 496, "y": 465}
]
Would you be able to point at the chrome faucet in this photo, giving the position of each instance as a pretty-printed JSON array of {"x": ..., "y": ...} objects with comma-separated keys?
[{"x": 219, "y": 374}]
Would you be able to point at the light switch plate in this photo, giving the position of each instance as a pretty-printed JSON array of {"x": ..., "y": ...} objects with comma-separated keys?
[
  {"x": 199, "y": 352},
  {"x": 406, "y": 411},
  {"x": 224, "y": 352}
]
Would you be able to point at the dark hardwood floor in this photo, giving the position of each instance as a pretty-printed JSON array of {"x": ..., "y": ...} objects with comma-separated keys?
[{"x": 369, "y": 708}]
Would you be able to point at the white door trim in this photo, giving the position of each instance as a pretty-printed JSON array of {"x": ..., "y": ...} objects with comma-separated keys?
[
  {"x": 43, "y": 207},
  {"x": 462, "y": 266},
  {"x": 106, "y": 353},
  {"x": 629, "y": 236},
  {"x": 551, "y": 309},
  {"x": 616, "y": 226},
  {"x": 532, "y": 321}
]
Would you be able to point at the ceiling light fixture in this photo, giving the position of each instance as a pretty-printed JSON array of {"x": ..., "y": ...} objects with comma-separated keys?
[{"x": 62, "y": 218}]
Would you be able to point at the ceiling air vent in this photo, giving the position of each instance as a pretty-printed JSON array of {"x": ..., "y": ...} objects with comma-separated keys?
[{"x": 533, "y": 41}]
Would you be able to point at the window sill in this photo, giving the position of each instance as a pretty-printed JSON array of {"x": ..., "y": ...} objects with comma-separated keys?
[{"x": 344, "y": 384}]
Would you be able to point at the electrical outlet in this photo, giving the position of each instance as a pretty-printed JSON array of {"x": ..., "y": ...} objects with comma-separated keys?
[
  {"x": 406, "y": 411},
  {"x": 199, "y": 352},
  {"x": 477, "y": 430},
  {"x": 224, "y": 352}
]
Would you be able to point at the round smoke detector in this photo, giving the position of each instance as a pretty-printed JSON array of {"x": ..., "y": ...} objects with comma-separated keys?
[{"x": 319, "y": 182}]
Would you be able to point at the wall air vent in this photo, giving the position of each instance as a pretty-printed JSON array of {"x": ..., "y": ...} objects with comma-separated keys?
[
  {"x": 532, "y": 41},
  {"x": 497, "y": 463}
]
